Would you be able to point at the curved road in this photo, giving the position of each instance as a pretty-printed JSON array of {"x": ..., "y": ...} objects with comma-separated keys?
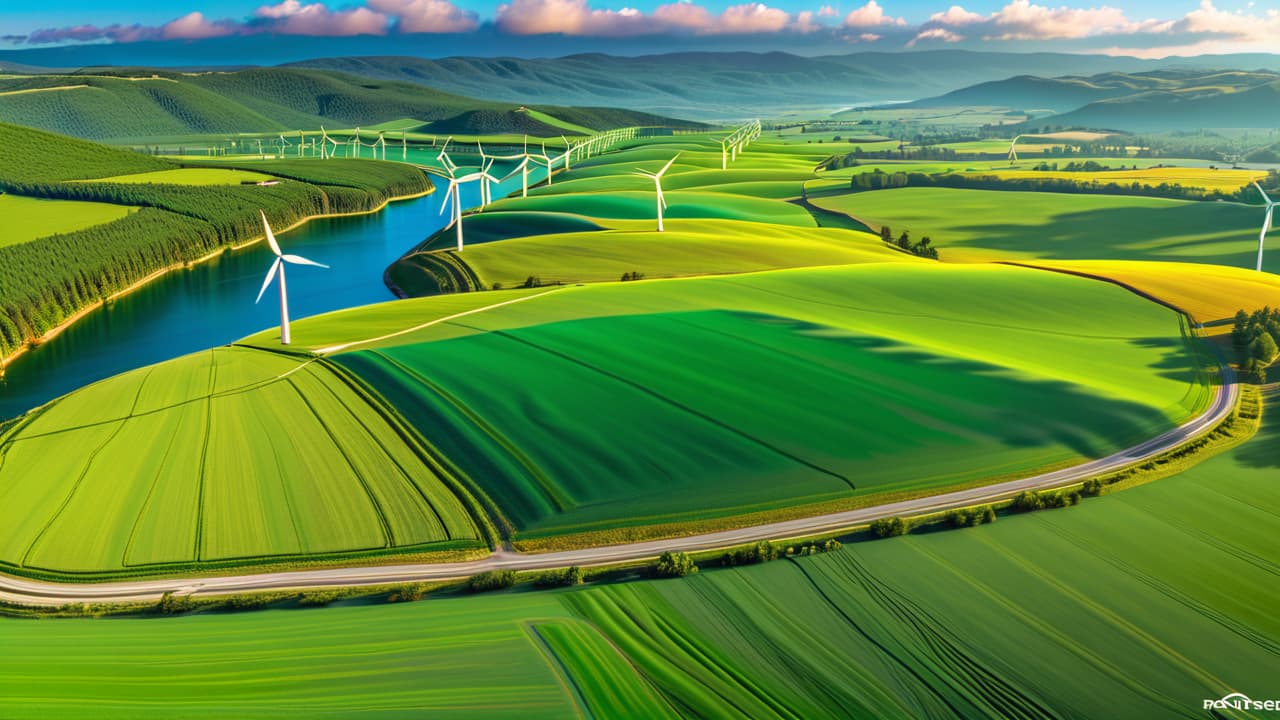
[{"x": 33, "y": 592}]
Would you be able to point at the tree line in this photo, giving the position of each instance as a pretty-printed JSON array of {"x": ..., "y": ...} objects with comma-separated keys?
[
  {"x": 881, "y": 180},
  {"x": 44, "y": 281},
  {"x": 1255, "y": 337}
]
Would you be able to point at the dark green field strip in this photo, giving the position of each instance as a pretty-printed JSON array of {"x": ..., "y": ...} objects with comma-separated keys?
[
  {"x": 607, "y": 685},
  {"x": 493, "y": 225},
  {"x": 780, "y": 410}
]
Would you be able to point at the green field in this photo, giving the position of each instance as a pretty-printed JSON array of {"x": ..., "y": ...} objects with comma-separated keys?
[
  {"x": 191, "y": 176},
  {"x": 847, "y": 385},
  {"x": 1142, "y": 603},
  {"x": 984, "y": 225},
  {"x": 30, "y": 218},
  {"x": 847, "y": 382},
  {"x": 227, "y": 456}
]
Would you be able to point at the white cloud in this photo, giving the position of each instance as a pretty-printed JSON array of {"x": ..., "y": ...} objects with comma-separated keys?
[
  {"x": 427, "y": 16},
  {"x": 955, "y": 16},
  {"x": 935, "y": 34},
  {"x": 870, "y": 15}
]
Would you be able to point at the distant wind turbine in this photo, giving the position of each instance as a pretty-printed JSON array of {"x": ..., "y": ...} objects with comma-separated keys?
[
  {"x": 657, "y": 184},
  {"x": 278, "y": 266},
  {"x": 451, "y": 194},
  {"x": 1013, "y": 150},
  {"x": 486, "y": 190},
  {"x": 1266, "y": 224}
]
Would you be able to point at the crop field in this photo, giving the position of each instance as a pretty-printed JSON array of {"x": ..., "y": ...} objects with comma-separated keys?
[
  {"x": 1103, "y": 610},
  {"x": 27, "y": 219},
  {"x": 192, "y": 176},
  {"x": 797, "y": 345},
  {"x": 218, "y": 457},
  {"x": 985, "y": 225},
  {"x": 1223, "y": 179},
  {"x": 1209, "y": 294}
]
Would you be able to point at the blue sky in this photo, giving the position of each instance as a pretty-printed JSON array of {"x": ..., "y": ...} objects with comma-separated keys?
[{"x": 1138, "y": 27}]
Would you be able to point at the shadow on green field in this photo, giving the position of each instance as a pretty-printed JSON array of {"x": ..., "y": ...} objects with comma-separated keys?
[
  {"x": 534, "y": 415},
  {"x": 1219, "y": 233}
]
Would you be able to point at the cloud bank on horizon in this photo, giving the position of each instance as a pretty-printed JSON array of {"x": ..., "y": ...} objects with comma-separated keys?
[{"x": 1107, "y": 29}]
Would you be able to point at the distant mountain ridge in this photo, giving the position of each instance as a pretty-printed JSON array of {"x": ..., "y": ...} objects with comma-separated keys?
[
  {"x": 712, "y": 85},
  {"x": 1167, "y": 99},
  {"x": 134, "y": 104}
]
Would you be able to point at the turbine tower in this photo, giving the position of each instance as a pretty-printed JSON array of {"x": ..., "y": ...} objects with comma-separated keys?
[
  {"x": 278, "y": 266},
  {"x": 657, "y": 184},
  {"x": 451, "y": 194},
  {"x": 1266, "y": 224},
  {"x": 1013, "y": 150}
]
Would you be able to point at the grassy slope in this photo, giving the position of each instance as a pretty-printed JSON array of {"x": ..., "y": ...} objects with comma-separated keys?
[
  {"x": 984, "y": 225},
  {"x": 798, "y": 331},
  {"x": 214, "y": 458},
  {"x": 718, "y": 221},
  {"x": 31, "y": 218},
  {"x": 1138, "y": 604}
]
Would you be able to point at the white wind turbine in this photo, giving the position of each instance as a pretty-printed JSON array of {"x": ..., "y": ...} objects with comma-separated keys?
[
  {"x": 1013, "y": 150},
  {"x": 278, "y": 266},
  {"x": 328, "y": 146},
  {"x": 657, "y": 184},
  {"x": 451, "y": 194},
  {"x": 283, "y": 144},
  {"x": 404, "y": 147},
  {"x": 1266, "y": 224},
  {"x": 382, "y": 140},
  {"x": 486, "y": 190}
]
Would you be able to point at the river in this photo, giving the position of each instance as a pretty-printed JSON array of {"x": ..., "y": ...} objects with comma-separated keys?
[{"x": 212, "y": 303}]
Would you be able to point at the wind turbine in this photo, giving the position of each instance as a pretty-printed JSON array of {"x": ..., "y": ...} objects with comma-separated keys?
[
  {"x": 568, "y": 155},
  {"x": 302, "y": 143},
  {"x": 328, "y": 146},
  {"x": 1013, "y": 150},
  {"x": 382, "y": 140},
  {"x": 657, "y": 184},
  {"x": 452, "y": 194},
  {"x": 404, "y": 147},
  {"x": 262, "y": 155},
  {"x": 724, "y": 153},
  {"x": 278, "y": 266},
  {"x": 355, "y": 141},
  {"x": 283, "y": 144},
  {"x": 1266, "y": 224},
  {"x": 486, "y": 192}
]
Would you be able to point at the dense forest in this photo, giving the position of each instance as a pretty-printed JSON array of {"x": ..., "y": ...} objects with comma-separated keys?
[{"x": 44, "y": 281}]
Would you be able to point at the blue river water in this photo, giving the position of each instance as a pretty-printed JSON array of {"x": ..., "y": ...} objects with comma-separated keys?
[{"x": 212, "y": 303}]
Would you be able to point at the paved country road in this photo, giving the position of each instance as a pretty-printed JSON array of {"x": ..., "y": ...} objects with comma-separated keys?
[{"x": 32, "y": 592}]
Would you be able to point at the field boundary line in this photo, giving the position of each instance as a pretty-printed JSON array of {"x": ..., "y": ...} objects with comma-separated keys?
[{"x": 343, "y": 346}]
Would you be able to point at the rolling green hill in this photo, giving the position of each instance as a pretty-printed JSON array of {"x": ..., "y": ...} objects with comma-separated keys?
[{"x": 136, "y": 104}]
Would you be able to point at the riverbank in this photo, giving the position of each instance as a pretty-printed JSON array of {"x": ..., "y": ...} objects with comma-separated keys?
[{"x": 142, "y": 282}]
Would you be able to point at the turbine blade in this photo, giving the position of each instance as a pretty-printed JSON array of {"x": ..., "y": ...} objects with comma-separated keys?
[
  {"x": 299, "y": 260},
  {"x": 667, "y": 167},
  {"x": 271, "y": 237},
  {"x": 1264, "y": 193},
  {"x": 271, "y": 275}
]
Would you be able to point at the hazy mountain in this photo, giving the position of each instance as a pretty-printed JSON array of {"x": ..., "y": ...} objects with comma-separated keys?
[
  {"x": 1220, "y": 100},
  {"x": 1179, "y": 98},
  {"x": 139, "y": 103},
  {"x": 738, "y": 84}
]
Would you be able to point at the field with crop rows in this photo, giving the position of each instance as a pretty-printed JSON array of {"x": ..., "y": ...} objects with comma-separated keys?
[
  {"x": 1142, "y": 603},
  {"x": 848, "y": 384},
  {"x": 224, "y": 456}
]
